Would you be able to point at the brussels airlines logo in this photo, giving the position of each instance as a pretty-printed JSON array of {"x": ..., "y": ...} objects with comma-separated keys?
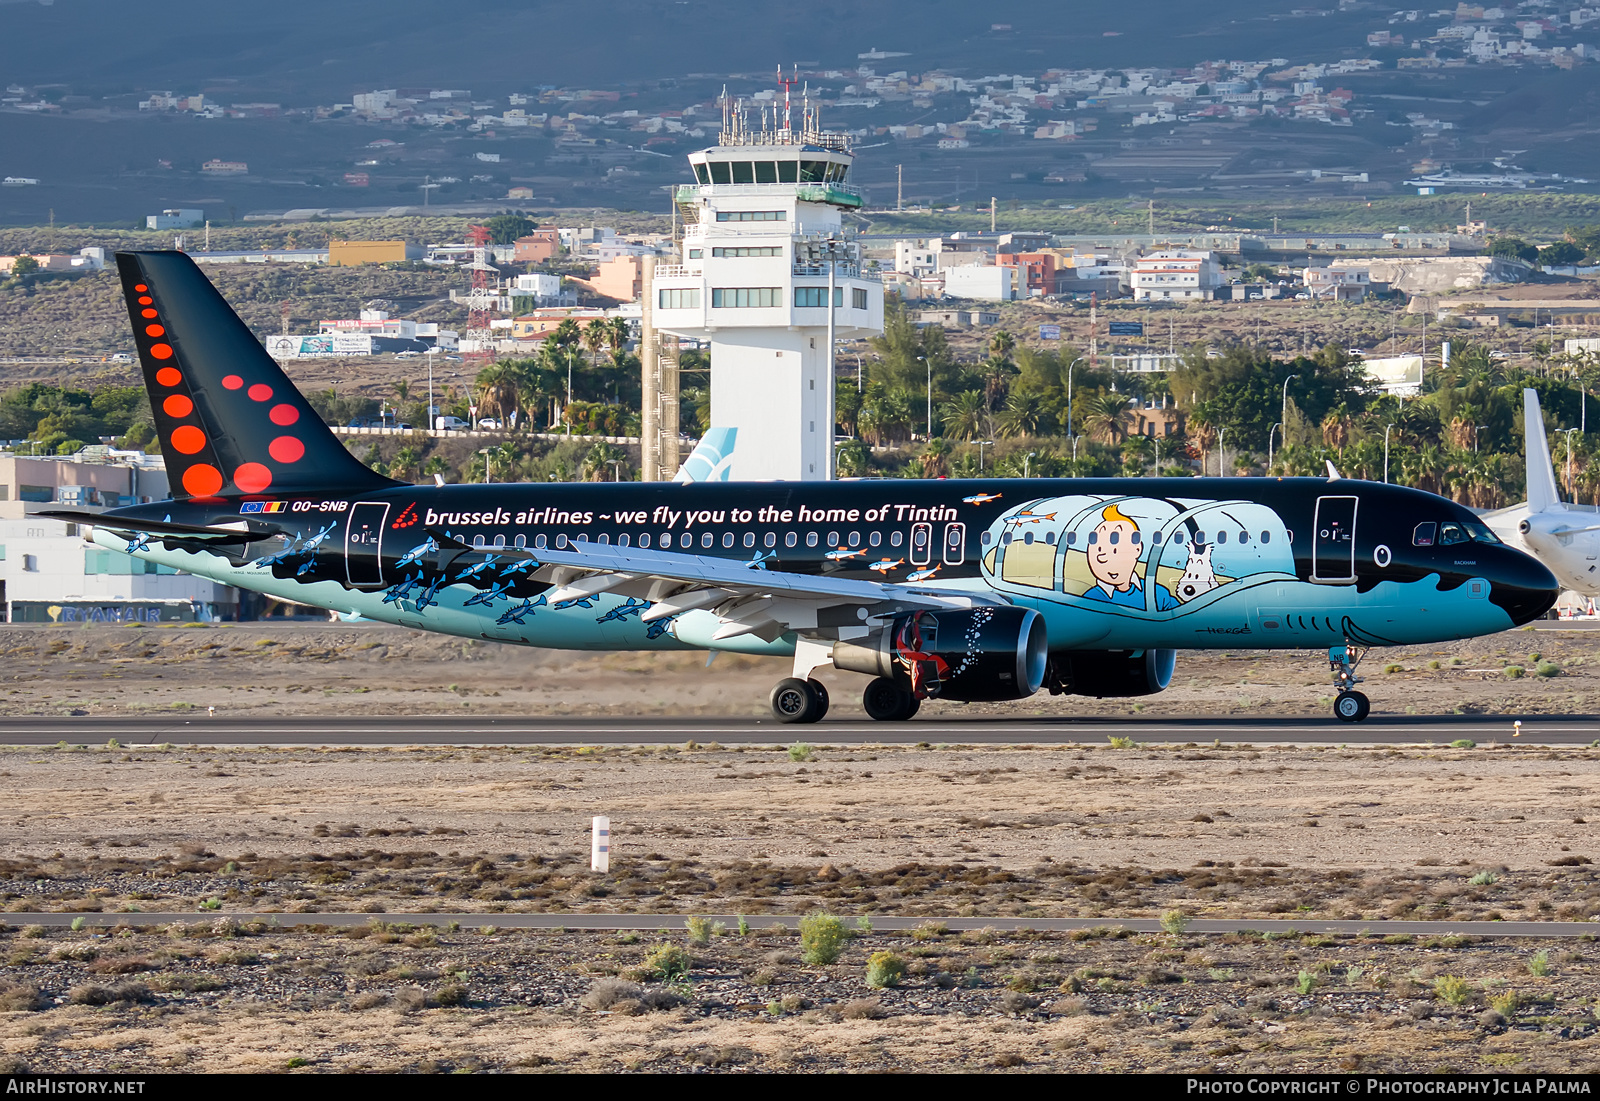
[{"x": 406, "y": 518}]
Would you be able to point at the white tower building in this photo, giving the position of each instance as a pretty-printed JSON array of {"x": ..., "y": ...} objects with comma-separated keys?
[{"x": 764, "y": 250}]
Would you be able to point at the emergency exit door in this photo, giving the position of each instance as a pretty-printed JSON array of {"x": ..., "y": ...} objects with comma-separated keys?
[
  {"x": 363, "y": 544},
  {"x": 1333, "y": 542}
]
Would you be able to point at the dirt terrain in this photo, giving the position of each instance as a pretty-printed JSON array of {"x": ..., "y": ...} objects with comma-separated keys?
[
  {"x": 1496, "y": 831},
  {"x": 350, "y": 669}
]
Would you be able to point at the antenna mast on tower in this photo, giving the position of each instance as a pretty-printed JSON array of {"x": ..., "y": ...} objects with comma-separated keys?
[{"x": 478, "y": 297}]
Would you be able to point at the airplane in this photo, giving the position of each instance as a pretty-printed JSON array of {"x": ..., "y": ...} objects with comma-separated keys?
[
  {"x": 1565, "y": 536},
  {"x": 1020, "y": 604}
]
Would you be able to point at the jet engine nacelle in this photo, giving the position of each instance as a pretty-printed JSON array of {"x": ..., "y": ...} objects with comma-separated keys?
[
  {"x": 1103, "y": 673},
  {"x": 968, "y": 654}
]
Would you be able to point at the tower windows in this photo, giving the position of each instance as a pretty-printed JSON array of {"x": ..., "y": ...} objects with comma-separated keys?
[
  {"x": 818, "y": 296},
  {"x": 745, "y": 297},
  {"x": 752, "y": 216}
]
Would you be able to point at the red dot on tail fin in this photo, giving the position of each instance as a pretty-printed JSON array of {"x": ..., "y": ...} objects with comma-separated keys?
[
  {"x": 252, "y": 477},
  {"x": 161, "y": 351},
  {"x": 202, "y": 480},
  {"x": 169, "y": 376},
  {"x": 232, "y": 382},
  {"x": 188, "y": 439},
  {"x": 286, "y": 449},
  {"x": 260, "y": 392},
  {"x": 177, "y": 406},
  {"x": 283, "y": 414}
]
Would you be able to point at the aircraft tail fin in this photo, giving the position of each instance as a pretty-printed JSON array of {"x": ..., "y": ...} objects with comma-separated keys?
[
  {"x": 1542, "y": 492},
  {"x": 712, "y": 458},
  {"x": 228, "y": 419}
]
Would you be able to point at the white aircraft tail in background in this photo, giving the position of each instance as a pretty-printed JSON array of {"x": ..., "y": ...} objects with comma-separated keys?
[{"x": 1564, "y": 536}]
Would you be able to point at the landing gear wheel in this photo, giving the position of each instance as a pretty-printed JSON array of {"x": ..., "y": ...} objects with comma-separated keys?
[
  {"x": 1351, "y": 707},
  {"x": 886, "y": 701},
  {"x": 819, "y": 690},
  {"x": 797, "y": 701}
]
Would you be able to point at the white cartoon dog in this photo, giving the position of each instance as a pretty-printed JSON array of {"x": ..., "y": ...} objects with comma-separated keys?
[{"x": 1198, "y": 576}]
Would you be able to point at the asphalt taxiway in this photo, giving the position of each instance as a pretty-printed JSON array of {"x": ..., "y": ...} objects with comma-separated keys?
[{"x": 411, "y": 730}]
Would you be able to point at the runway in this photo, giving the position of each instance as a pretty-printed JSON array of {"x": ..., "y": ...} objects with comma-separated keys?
[
  {"x": 413, "y": 730},
  {"x": 880, "y": 923}
]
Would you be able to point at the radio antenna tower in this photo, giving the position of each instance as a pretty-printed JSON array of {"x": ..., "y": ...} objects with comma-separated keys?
[{"x": 793, "y": 79}]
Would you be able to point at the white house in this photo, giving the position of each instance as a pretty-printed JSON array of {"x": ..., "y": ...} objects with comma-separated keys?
[
  {"x": 1175, "y": 275},
  {"x": 989, "y": 282}
]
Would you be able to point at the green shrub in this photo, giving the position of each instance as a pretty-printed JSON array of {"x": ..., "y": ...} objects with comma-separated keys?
[
  {"x": 668, "y": 962},
  {"x": 1547, "y": 669},
  {"x": 1539, "y": 962},
  {"x": 1484, "y": 879},
  {"x": 1394, "y": 668},
  {"x": 1514, "y": 671},
  {"x": 929, "y": 930},
  {"x": 1506, "y": 1004},
  {"x": 1174, "y": 922},
  {"x": 800, "y": 751},
  {"x": 744, "y": 926},
  {"x": 1451, "y": 989},
  {"x": 1463, "y": 743},
  {"x": 1118, "y": 742},
  {"x": 1306, "y": 982},
  {"x": 822, "y": 938},
  {"x": 885, "y": 969}
]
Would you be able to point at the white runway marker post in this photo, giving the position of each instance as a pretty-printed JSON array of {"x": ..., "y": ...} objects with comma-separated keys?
[{"x": 600, "y": 845}]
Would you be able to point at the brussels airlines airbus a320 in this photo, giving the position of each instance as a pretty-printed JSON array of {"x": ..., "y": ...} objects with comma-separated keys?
[{"x": 956, "y": 590}]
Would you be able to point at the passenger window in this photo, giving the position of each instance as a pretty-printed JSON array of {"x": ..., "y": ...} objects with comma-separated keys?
[
  {"x": 1424, "y": 534},
  {"x": 1005, "y": 540},
  {"x": 811, "y": 538},
  {"x": 1155, "y": 537},
  {"x": 499, "y": 540},
  {"x": 790, "y": 539},
  {"x": 1177, "y": 537},
  {"x": 1266, "y": 537},
  {"x": 749, "y": 538},
  {"x": 1072, "y": 538},
  {"x": 855, "y": 538},
  {"x": 1451, "y": 534},
  {"x": 644, "y": 540},
  {"x": 1244, "y": 537},
  {"x": 895, "y": 539},
  {"x": 538, "y": 542},
  {"x": 1136, "y": 538},
  {"x": 771, "y": 540},
  {"x": 1050, "y": 537},
  {"x": 606, "y": 539},
  {"x": 1222, "y": 537},
  {"x": 477, "y": 540},
  {"x": 833, "y": 539},
  {"x": 875, "y": 538},
  {"x": 581, "y": 537},
  {"x": 666, "y": 540},
  {"x": 1027, "y": 538},
  {"x": 727, "y": 539},
  {"x": 1094, "y": 537},
  {"x": 623, "y": 539},
  {"x": 987, "y": 538},
  {"x": 687, "y": 540},
  {"x": 1200, "y": 537},
  {"x": 561, "y": 541},
  {"x": 522, "y": 541},
  {"x": 707, "y": 540}
]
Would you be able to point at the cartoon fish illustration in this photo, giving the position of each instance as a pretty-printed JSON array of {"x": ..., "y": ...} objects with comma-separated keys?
[
  {"x": 402, "y": 591},
  {"x": 522, "y": 611},
  {"x": 585, "y": 601},
  {"x": 497, "y": 591},
  {"x": 841, "y": 554},
  {"x": 140, "y": 543},
  {"x": 633, "y": 607},
  {"x": 922, "y": 575},
  {"x": 981, "y": 498},
  {"x": 525, "y": 566},
  {"x": 759, "y": 562},
  {"x": 884, "y": 565},
  {"x": 474, "y": 571},
  {"x": 658, "y": 628},
  {"x": 416, "y": 552},
  {"x": 429, "y": 596},
  {"x": 1028, "y": 516}
]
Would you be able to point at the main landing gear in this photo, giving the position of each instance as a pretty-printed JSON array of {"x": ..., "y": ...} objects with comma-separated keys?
[
  {"x": 1349, "y": 706},
  {"x": 799, "y": 701},
  {"x": 886, "y": 701}
]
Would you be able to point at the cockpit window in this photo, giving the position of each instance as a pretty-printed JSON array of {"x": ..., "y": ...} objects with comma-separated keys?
[
  {"x": 1424, "y": 534},
  {"x": 1451, "y": 533},
  {"x": 1480, "y": 532}
]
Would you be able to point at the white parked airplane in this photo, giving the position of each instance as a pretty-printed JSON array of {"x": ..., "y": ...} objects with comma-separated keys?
[{"x": 1565, "y": 537}]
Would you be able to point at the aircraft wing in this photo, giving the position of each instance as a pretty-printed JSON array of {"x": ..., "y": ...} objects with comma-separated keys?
[
  {"x": 241, "y": 531},
  {"x": 747, "y": 598}
]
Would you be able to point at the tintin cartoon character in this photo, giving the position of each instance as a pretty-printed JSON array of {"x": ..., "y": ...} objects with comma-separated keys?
[{"x": 1114, "y": 549}]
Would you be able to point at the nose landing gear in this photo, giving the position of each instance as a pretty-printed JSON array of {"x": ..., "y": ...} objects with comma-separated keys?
[{"x": 1349, "y": 706}]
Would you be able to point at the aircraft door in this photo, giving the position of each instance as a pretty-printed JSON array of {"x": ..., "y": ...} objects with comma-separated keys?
[
  {"x": 921, "y": 544},
  {"x": 1333, "y": 542},
  {"x": 363, "y": 544}
]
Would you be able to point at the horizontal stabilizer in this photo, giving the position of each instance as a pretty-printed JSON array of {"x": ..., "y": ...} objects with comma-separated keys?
[{"x": 241, "y": 532}]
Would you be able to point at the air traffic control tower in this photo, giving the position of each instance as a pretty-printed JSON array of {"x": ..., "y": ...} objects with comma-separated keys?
[{"x": 763, "y": 251}]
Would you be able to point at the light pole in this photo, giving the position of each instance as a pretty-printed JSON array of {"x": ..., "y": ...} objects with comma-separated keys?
[
  {"x": 1157, "y": 468},
  {"x": 1569, "y": 432},
  {"x": 1070, "y": 366},
  {"x": 1284, "y": 416},
  {"x": 1270, "y": 431},
  {"x": 858, "y": 371},
  {"x": 929, "y": 362},
  {"x": 433, "y": 417},
  {"x": 1074, "y": 451},
  {"x": 564, "y": 412},
  {"x": 1222, "y": 452},
  {"x": 614, "y": 463},
  {"x": 1386, "y": 453},
  {"x": 981, "y": 445},
  {"x": 485, "y": 452},
  {"x": 1027, "y": 460},
  {"x": 1475, "y": 430}
]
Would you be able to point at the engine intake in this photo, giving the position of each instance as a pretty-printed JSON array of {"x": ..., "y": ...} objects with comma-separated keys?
[
  {"x": 969, "y": 654},
  {"x": 1111, "y": 673}
]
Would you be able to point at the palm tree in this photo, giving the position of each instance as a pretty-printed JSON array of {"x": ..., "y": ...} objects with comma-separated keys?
[
  {"x": 618, "y": 338},
  {"x": 1105, "y": 416},
  {"x": 847, "y": 406},
  {"x": 565, "y": 334},
  {"x": 597, "y": 463},
  {"x": 596, "y": 334},
  {"x": 853, "y": 461},
  {"x": 933, "y": 458},
  {"x": 1023, "y": 415},
  {"x": 1336, "y": 428},
  {"x": 965, "y": 416},
  {"x": 498, "y": 394}
]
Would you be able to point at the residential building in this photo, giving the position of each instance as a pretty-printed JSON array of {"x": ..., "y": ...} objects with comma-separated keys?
[
  {"x": 1175, "y": 275},
  {"x": 49, "y": 575},
  {"x": 539, "y": 323},
  {"x": 621, "y": 278},
  {"x": 982, "y": 281},
  {"x": 915, "y": 258},
  {"x": 175, "y": 219},
  {"x": 215, "y": 167},
  {"x": 539, "y": 247},
  {"x": 1338, "y": 282},
  {"x": 958, "y": 319}
]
